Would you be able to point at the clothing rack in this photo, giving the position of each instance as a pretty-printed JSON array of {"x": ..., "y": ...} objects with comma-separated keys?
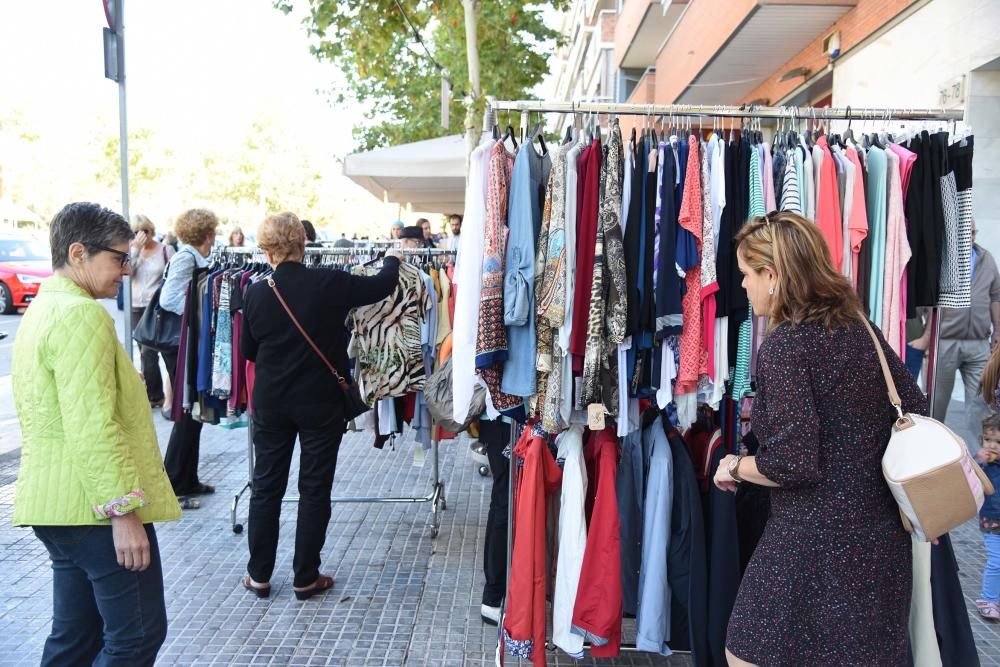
[
  {"x": 755, "y": 112},
  {"x": 727, "y": 111},
  {"x": 436, "y": 496}
]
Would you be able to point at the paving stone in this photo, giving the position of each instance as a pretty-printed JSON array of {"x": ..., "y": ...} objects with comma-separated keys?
[{"x": 400, "y": 598}]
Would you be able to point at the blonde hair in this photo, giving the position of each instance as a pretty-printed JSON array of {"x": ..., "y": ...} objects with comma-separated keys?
[
  {"x": 809, "y": 289},
  {"x": 234, "y": 232},
  {"x": 283, "y": 237},
  {"x": 141, "y": 223},
  {"x": 195, "y": 226},
  {"x": 991, "y": 377}
]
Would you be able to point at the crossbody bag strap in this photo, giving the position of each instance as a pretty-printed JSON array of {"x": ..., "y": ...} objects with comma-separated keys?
[
  {"x": 890, "y": 385},
  {"x": 270, "y": 282}
]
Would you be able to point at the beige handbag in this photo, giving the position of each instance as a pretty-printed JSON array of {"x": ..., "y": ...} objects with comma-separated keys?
[{"x": 929, "y": 470}]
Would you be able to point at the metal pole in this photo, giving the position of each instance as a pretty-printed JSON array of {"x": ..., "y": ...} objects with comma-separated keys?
[
  {"x": 932, "y": 357},
  {"x": 514, "y": 435},
  {"x": 820, "y": 113},
  {"x": 123, "y": 159}
]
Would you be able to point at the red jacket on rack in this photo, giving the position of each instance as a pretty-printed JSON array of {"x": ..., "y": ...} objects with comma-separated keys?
[
  {"x": 598, "y": 611},
  {"x": 524, "y": 623}
]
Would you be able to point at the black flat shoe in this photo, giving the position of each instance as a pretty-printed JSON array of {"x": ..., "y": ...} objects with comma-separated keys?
[
  {"x": 261, "y": 590},
  {"x": 322, "y": 584},
  {"x": 201, "y": 490}
]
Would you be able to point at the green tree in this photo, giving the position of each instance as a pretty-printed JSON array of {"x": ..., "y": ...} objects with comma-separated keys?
[{"x": 390, "y": 72}]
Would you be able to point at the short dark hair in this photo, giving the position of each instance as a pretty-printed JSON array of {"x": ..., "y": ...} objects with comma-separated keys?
[
  {"x": 310, "y": 230},
  {"x": 90, "y": 224},
  {"x": 455, "y": 216}
]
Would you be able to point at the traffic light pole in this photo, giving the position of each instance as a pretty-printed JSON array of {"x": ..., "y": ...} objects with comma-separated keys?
[{"x": 114, "y": 11}]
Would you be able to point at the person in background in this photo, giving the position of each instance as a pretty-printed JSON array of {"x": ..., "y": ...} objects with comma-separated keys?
[
  {"x": 455, "y": 223},
  {"x": 310, "y": 235},
  {"x": 412, "y": 238},
  {"x": 396, "y": 229},
  {"x": 149, "y": 259},
  {"x": 495, "y": 437},
  {"x": 90, "y": 483},
  {"x": 428, "y": 234},
  {"x": 343, "y": 242},
  {"x": 914, "y": 358},
  {"x": 834, "y": 535},
  {"x": 296, "y": 395},
  {"x": 236, "y": 238},
  {"x": 170, "y": 239},
  {"x": 967, "y": 336},
  {"x": 196, "y": 230},
  {"x": 989, "y": 386},
  {"x": 988, "y": 457}
]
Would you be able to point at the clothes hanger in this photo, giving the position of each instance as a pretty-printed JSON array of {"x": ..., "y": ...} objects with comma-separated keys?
[
  {"x": 536, "y": 133},
  {"x": 510, "y": 135}
]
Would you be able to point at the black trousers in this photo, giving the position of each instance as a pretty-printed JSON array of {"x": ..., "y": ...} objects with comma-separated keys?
[
  {"x": 319, "y": 429},
  {"x": 150, "y": 364},
  {"x": 183, "y": 449},
  {"x": 496, "y": 436}
]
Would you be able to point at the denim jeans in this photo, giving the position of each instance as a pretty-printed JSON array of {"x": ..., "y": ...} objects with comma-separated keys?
[
  {"x": 914, "y": 361},
  {"x": 103, "y": 614},
  {"x": 991, "y": 575}
]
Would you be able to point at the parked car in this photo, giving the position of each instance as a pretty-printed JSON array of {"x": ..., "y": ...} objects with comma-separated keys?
[{"x": 24, "y": 263}]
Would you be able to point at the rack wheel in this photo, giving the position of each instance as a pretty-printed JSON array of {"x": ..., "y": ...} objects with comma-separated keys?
[
  {"x": 237, "y": 528},
  {"x": 484, "y": 471}
]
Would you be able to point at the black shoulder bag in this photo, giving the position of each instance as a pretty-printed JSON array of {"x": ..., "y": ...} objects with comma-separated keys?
[{"x": 158, "y": 329}]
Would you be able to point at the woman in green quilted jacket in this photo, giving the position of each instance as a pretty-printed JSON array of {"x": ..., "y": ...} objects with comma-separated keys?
[{"x": 91, "y": 482}]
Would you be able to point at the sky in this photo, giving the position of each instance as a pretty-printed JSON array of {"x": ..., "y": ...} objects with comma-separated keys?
[
  {"x": 195, "y": 70},
  {"x": 198, "y": 72}
]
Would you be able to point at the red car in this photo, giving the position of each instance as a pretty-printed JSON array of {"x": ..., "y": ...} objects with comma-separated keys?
[{"x": 24, "y": 263}]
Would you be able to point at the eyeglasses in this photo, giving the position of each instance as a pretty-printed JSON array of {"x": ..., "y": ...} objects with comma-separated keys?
[{"x": 123, "y": 257}]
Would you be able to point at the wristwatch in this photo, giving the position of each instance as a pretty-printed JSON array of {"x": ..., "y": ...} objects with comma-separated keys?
[{"x": 734, "y": 467}]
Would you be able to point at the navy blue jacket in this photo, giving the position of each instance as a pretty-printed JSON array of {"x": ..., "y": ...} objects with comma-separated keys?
[{"x": 687, "y": 570}]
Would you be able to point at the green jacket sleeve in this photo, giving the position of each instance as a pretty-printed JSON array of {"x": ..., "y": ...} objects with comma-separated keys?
[{"x": 82, "y": 350}]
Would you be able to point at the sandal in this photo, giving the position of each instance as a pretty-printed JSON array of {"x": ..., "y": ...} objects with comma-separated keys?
[
  {"x": 261, "y": 590},
  {"x": 187, "y": 503},
  {"x": 988, "y": 609},
  {"x": 323, "y": 583}
]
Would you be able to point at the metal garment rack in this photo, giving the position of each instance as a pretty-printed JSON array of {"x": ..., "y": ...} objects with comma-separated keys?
[
  {"x": 436, "y": 496},
  {"x": 727, "y": 111},
  {"x": 712, "y": 111}
]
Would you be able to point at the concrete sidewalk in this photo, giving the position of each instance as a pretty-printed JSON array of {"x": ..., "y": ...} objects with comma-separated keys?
[{"x": 401, "y": 598}]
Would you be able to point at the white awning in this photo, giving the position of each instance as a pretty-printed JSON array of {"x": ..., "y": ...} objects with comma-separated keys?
[{"x": 429, "y": 175}]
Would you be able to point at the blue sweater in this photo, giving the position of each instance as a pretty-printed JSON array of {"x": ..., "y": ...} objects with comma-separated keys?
[{"x": 991, "y": 508}]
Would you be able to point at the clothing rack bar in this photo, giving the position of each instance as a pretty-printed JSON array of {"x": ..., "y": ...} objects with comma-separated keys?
[
  {"x": 436, "y": 496},
  {"x": 344, "y": 252},
  {"x": 725, "y": 111}
]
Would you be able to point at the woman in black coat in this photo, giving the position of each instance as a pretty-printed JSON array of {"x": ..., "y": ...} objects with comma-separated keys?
[{"x": 296, "y": 395}]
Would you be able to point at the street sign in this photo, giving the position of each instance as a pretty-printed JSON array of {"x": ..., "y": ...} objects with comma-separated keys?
[{"x": 110, "y": 55}]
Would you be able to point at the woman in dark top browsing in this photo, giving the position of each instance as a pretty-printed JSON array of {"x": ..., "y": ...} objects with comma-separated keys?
[{"x": 295, "y": 394}]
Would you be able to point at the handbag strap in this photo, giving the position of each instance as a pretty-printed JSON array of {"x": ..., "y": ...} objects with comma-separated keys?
[
  {"x": 281, "y": 300},
  {"x": 890, "y": 385}
]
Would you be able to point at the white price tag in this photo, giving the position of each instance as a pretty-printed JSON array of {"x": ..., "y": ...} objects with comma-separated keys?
[{"x": 595, "y": 417}]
